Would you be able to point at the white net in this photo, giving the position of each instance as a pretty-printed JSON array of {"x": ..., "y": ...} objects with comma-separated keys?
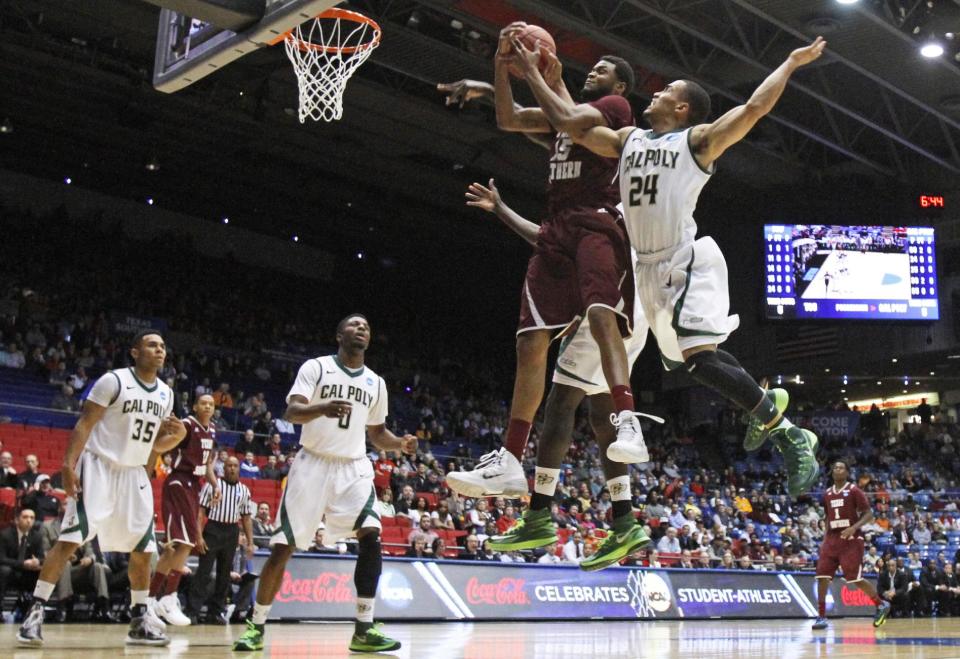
[{"x": 325, "y": 52}]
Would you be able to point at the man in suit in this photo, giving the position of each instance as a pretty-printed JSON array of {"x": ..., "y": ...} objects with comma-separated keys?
[
  {"x": 898, "y": 588},
  {"x": 86, "y": 575},
  {"x": 21, "y": 556},
  {"x": 952, "y": 595},
  {"x": 933, "y": 582}
]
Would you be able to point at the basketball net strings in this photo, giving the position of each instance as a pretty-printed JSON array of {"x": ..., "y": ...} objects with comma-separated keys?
[{"x": 323, "y": 72}]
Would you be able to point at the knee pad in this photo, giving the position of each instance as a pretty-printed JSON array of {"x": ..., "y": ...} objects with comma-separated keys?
[
  {"x": 369, "y": 565},
  {"x": 702, "y": 361}
]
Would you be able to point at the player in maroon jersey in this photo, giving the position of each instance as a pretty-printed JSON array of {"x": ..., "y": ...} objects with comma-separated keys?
[
  {"x": 846, "y": 509},
  {"x": 192, "y": 461},
  {"x": 581, "y": 266}
]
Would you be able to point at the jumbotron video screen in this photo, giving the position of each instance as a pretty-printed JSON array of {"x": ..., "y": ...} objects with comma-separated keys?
[{"x": 823, "y": 271}]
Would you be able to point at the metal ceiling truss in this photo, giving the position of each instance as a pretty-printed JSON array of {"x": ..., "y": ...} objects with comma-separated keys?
[{"x": 884, "y": 128}]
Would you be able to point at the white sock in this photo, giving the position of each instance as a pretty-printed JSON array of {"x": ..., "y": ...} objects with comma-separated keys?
[
  {"x": 43, "y": 590},
  {"x": 138, "y": 597},
  {"x": 619, "y": 488},
  {"x": 365, "y": 609},
  {"x": 545, "y": 481},
  {"x": 260, "y": 613}
]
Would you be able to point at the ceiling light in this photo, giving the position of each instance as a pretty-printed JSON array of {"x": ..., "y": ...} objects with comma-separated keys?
[
  {"x": 931, "y": 49},
  {"x": 296, "y": 239},
  {"x": 359, "y": 256},
  {"x": 226, "y": 220},
  {"x": 68, "y": 180},
  {"x": 933, "y": 373},
  {"x": 879, "y": 382},
  {"x": 153, "y": 165},
  {"x": 6, "y": 127},
  {"x": 826, "y": 370},
  {"x": 847, "y": 2},
  {"x": 894, "y": 360}
]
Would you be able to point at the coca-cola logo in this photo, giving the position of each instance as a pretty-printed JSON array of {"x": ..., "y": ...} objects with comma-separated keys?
[
  {"x": 325, "y": 587},
  {"x": 505, "y": 591},
  {"x": 854, "y": 597}
]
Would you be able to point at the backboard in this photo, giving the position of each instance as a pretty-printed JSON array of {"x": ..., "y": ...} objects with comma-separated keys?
[{"x": 198, "y": 37}]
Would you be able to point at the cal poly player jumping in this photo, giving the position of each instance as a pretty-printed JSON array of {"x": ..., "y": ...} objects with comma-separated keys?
[
  {"x": 126, "y": 415},
  {"x": 682, "y": 281},
  {"x": 341, "y": 404},
  {"x": 578, "y": 374},
  {"x": 192, "y": 461}
]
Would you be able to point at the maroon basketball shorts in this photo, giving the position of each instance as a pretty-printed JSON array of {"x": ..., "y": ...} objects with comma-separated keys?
[
  {"x": 180, "y": 503},
  {"x": 581, "y": 260},
  {"x": 846, "y": 554}
]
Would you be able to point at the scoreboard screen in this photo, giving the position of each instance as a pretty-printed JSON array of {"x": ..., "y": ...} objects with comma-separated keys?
[{"x": 821, "y": 271}]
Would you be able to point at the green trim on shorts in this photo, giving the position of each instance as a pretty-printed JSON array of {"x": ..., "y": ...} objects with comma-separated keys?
[
  {"x": 675, "y": 322},
  {"x": 562, "y": 371},
  {"x": 669, "y": 364},
  {"x": 145, "y": 540},
  {"x": 285, "y": 525},
  {"x": 368, "y": 510},
  {"x": 82, "y": 514}
]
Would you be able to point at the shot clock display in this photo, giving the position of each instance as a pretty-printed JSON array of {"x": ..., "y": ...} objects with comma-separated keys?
[{"x": 858, "y": 272}]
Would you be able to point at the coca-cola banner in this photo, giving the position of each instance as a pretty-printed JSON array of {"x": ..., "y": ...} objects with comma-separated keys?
[{"x": 321, "y": 587}]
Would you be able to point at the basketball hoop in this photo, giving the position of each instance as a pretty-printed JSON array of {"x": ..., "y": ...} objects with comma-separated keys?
[{"x": 325, "y": 51}]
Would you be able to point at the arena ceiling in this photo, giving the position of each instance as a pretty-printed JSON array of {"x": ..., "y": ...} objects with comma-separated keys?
[{"x": 75, "y": 80}]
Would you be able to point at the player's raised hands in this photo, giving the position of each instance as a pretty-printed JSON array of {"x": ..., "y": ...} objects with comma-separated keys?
[
  {"x": 807, "y": 54},
  {"x": 408, "y": 444},
  {"x": 552, "y": 70},
  {"x": 504, "y": 46},
  {"x": 462, "y": 91},
  {"x": 525, "y": 60},
  {"x": 484, "y": 198},
  {"x": 336, "y": 409}
]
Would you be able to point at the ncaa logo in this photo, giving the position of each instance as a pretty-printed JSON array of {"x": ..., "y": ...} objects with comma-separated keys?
[
  {"x": 370, "y": 381},
  {"x": 395, "y": 590},
  {"x": 649, "y": 593},
  {"x": 163, "y": 395},
  {"x": 657, "y": 591}
]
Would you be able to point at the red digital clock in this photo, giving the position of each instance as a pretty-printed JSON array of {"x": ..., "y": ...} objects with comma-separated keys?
[{"x": 931, "y": 201}]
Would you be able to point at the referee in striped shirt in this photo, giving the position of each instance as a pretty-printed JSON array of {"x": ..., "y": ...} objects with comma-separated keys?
[{"x": 219, "y": 539}]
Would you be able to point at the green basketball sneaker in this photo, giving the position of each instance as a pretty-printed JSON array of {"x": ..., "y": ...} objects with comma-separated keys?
[
  {"x": 799, "y": 448},
  {"x": 373, "y": 640},
  {"x": 534, "y": 529},
  {"x": 756, "y": 433},
  {"x": 251, "y": 640},
  {"x": 616, "y": 546}
]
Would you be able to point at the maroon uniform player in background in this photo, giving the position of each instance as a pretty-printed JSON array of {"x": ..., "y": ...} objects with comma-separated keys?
[
  {"x": 192, "y": 461},
  {"x": 846, "y": 510}
]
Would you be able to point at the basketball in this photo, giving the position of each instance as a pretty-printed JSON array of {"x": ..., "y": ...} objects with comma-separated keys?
[{"x": 532, "y": 35}]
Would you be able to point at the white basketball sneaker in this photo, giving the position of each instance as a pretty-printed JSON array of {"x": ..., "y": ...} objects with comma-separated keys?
[
  {"x": 498, "y": 472},
  {"x": 629, "y": 447},
  {"x": 148, "y": 629},
  {"x": 168, "y": 608}
]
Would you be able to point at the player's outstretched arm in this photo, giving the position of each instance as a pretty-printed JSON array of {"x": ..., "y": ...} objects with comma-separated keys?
[
  {"x": 605, "y": 141},
  {"x": 89, "y": 417},
  {"x": 488, "y": 199},
  {"x": 561, "y": 112},
  {"x": 709, "y": 141},
  {"x": 385, "y": 440},
  {"x": 510, "y": 116}
]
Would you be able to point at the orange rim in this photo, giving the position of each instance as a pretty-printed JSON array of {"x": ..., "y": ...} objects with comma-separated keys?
[{"x": 341, "y": 14}]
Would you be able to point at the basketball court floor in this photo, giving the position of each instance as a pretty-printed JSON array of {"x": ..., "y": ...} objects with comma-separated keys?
[{"x": 694, "y": 639}]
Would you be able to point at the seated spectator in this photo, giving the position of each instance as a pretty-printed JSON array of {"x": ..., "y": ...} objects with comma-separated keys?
[
  {"x": 439, "y": 548},
  {"x": 406, "y": 501},
  {"x": 573, "y": 549},
  {"x": 78, "y": 380},
  {"x": 870, "y": 560},
  {"x": 727, "y": 561},
  {"x": 12, "y": 357},
  {"x": 952, "y": 593},
  {"x": 27, "y": 478},
  {"x": 479, "y": 516},
  {"x": 418, "y": 546},
  {"x": 669, "y": 544},
  {"x": 249, "y": 443},
  {"x": 486, "y": 552},
  {"x": 506, "y": 520},
  {"x": 653, "y": 558},
  {"x": 703, "y": 561},
  {"x": 424, "y": 529},
  {"x": 746, "y": 563},
  {"x": 442, "y": 518},
  {"x": 895, "y": 586},
  {"x": 264, "y": 425},
  {"x": 921, "y": 534},
  {"x": 41, "y": 500},
  {"x": 21, "y": 557},
  {"x": 222, "y": 397},
  {"x": 271, "y": 471},
  {"x": 8, "y": 475},
  {"x": 255, "y": 407},
  {"x": 222, "y": 456},
  {"x": 384, "y": 505},
  {"x": 249, "y": 468},
  {"x": 263, "y": 527},
  {"x": 384, "y": 465},
  {"x": 418, "y": 512},
  {"x": 274, "y": 446},
  {"x": 59, "y": 375},
  {"x": 218, "y": 422},
  {"x": 64, "y": 400},
  {"x": 471, "y": 549},
  {"x": 321, "y": 545},
  {"x": 550, "y": 556},
  {"x": 934, "y": 585}
]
